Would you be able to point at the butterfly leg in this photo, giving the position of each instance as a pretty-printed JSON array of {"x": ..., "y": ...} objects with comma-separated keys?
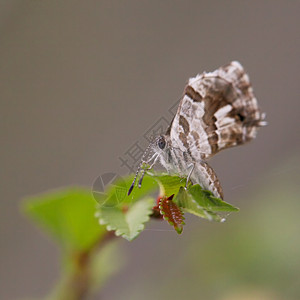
[
  {"x": 154, "y": 158},
  {"x": 192, "y": 166}
]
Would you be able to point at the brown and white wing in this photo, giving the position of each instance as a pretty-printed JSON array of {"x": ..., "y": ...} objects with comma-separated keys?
[{"x": 218, "y": 110}]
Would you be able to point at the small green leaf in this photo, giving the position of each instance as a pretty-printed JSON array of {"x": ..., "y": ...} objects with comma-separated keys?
[
  {"x": 206, "y": 200},
  {"x": 127, "y": 222},
  {"x": 68, "y": 215},
  {"x": 190, "y": 205},
  {"x": 169, "y": 185},
  {"x": 201, "y": 203}
]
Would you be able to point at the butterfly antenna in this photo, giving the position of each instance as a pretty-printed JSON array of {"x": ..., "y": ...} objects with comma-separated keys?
[
  {"x": 138, "y": 170},
  {"x": 141, "y": 179},
  {"x": 133, "y": 182}
]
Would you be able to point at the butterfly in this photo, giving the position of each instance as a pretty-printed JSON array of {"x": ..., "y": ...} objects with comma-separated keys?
[{"x": 218, "y": 110}]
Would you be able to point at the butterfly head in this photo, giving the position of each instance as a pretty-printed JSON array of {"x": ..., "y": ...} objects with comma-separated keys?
[{"x": 155, "y": 149}]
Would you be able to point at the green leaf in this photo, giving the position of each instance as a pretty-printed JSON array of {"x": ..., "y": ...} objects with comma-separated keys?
[
  {"x": 208, "y": 201},
  {"x": 169, "y": 185},
  {"x": 127, "y": 217},
  {"x": 129, "y": 222},
  {"x": 201, "y": 203},
  {"x": 68, "y": 215}
]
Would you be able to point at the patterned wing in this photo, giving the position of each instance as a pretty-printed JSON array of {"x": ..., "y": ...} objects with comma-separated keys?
[{"x": 218, "y": 111}]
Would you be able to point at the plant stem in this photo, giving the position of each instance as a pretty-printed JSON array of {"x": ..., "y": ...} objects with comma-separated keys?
[{"x": 76, "y": 283}]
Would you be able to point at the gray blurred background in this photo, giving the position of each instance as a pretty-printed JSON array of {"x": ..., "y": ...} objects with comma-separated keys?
[{"x": 81, "y": 81}]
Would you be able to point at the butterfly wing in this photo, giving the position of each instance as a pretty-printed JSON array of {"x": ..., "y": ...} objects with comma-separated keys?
[{"x": 218, "y": 111}]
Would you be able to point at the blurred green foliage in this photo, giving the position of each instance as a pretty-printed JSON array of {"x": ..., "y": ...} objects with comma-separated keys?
[{"x": 68, "y": 216}]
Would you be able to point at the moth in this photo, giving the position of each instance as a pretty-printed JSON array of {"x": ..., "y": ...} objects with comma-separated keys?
[{"x": 218, "y": 110}]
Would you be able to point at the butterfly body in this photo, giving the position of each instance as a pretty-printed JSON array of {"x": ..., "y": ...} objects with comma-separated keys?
[{"x": 182, "y": 163}]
